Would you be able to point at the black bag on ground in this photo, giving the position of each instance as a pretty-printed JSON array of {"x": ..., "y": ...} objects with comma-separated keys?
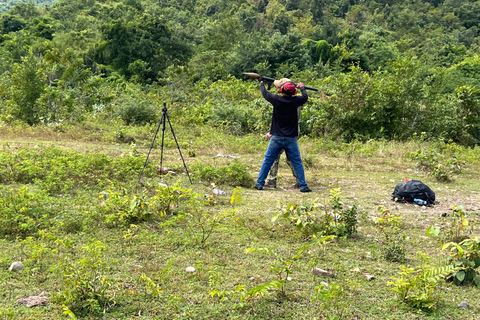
[{"x": 413, "y": 189}]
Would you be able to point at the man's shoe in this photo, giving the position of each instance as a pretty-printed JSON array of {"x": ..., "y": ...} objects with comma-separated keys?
[
  {"x": 306, "y": 189},
  {"x": 258, "y": 187}
]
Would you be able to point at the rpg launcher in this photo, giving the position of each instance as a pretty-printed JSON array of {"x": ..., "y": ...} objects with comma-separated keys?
[{"x": 268, "y": 80}]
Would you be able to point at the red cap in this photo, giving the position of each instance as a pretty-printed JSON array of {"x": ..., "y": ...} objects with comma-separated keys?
[{"x": 289, "y": 87}]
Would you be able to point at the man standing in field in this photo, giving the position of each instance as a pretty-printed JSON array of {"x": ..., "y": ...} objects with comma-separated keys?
[{"x": 284, "y": 129}]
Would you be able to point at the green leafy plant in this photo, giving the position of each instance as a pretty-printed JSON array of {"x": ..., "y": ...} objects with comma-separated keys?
[
  {"x": 393, "y": 240},
  {"x": 283, "y": 266},
  {"x": 235, "y": 174},
  {"x": 236, "y": 196},
  {"x": 198, "y": 218},
  {"x": 7, "y": 313},
  {"x": 134, "y": 112},
  {"x": 23, "y": 212},
  {"x": 59, "y": 171},
  {"x": 37, "y": 253},
  {"x": 151, "y": 286},
  {"x": 202, "y": 223},
  {"x": 123, "y": 208},
  {"x": 465, "y": 255},
  {"x": 435, "y": 164},
  {"x": 458, "y": 227},
  {"x": 418, "y": 286},
  {"x": 334, "y": 218},
  {"x": 68, "y": 312},
  {"x": 335, "y": 297},
  {"x": 87, "y": 281}
]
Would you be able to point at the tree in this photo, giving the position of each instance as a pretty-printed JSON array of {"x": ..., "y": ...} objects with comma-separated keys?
[
  {"x": 26, "y": 89},
  {"x": 11, "y": 23}
]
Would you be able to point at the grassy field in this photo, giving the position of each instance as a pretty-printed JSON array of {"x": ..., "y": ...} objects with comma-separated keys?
[{"x": 100, "y": 244}]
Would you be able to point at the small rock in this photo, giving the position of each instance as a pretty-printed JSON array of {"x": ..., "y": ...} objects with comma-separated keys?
[
  {"x": 16, "y": 266},
  {"x": 161, "y": 170},
  {"x": 190, "y": 269},
  {"x": 369, "y": 276},
  {"x": 356, "y": 270},
  {"x": 289, "y": 278},
  {"x": 464, "y": 305},
  {"x": 321, "y": 272},
  {"x": 34, "y": 301}
]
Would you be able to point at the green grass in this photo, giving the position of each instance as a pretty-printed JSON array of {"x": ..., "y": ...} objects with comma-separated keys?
[{"x": 164, "y": 246}]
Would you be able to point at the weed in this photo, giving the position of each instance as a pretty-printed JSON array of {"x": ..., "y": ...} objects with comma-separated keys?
[
  {"x": 235, "y": 174},
  {"x": 121, "y": 207},
  {"x": 151, "y": 286},
  {"x": 36, "y": 253},
  {"x": 23, "y": 212},
  {"x": 7, "y": 313},
  {"x": 202, "y": 224},
  {"x": 332, "y": 297},
  {"x": 435, "y": 164},
  {"x": 283, "y": 266},
  {"x": 465, "y": 255},
  {"x": 393, "y": 241},
  {"x": 330, "y": 219},
  {"x": 418, "y": 286},
  {"x": 236, "y": 196},
  {"x": 87, "y": 281},
  {"x": 457, "y": 227}
]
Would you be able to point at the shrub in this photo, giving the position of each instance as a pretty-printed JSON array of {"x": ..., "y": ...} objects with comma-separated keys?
[
  {"x": 134, "y": 112},
  {"x": 393, "y": 241},
  {"x": 434, "y": 163},
  {"x": 57, "y": 170},
  {"x": 465, "y": 255},
  {"x": 418, "y": 286},
  {"x": 87, "y": 281},
  {"x": 235, "y": 174},
  {"x": 119, "y": 207},
  {"x": 332, "y": 218},
  {"x": 23, "y": 212}
]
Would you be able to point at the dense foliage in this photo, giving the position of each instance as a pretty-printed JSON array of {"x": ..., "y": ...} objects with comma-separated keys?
[
  {"x": 9, "y": 4},
  {"x": 389, "y": 69}
]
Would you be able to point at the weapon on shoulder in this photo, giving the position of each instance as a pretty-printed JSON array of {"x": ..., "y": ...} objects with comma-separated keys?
[{"x": 268, "y": 80}]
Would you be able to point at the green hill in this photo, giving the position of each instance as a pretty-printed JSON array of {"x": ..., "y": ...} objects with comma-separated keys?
[
  {"x": 393, "y": 68},
  {"x": 9, "y": 4}
]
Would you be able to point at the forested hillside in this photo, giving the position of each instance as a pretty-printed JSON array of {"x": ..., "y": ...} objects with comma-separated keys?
[
  {"x": 387, "y": 68},
  {"x": 9, "y": 4}
]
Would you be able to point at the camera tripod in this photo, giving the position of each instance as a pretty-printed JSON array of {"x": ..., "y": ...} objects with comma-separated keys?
[{"x": 163, "y": 121}]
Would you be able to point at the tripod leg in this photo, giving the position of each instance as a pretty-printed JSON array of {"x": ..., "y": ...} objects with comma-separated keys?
[
  {"x": 178, "y": 147},
  {"x": 164, "y": 116},
  {"x": 153, "y": 141}
]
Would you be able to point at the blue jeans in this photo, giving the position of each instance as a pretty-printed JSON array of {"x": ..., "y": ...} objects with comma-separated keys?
[{"x": 276, "y": 145}]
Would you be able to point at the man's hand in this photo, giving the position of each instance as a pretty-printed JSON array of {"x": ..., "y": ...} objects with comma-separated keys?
[
  {"x": 268, "y": 136},
  {"x": 300, "y": 84}
]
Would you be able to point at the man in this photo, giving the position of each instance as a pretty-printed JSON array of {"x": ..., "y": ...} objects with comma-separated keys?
[
  {"x": 284, "y": 129},
  {"x": 272, "y": 175}
]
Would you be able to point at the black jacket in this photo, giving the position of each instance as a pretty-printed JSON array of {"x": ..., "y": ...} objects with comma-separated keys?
[{"x": 285, "y": 116}]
